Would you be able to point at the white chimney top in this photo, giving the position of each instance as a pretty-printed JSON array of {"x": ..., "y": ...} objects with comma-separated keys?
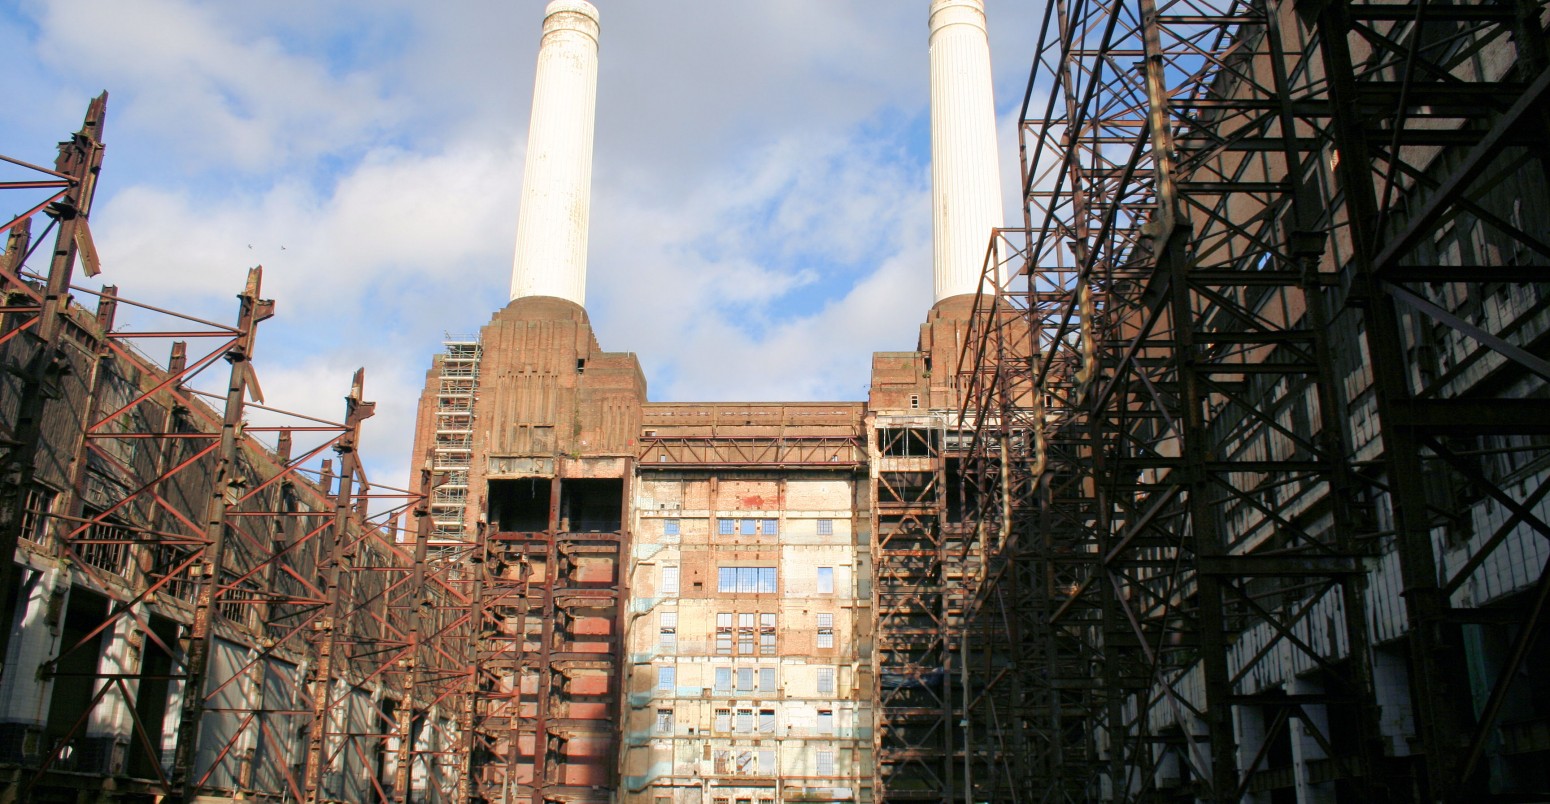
[
  {"x": 965, "y": 174},
  {"x": 551, "y": 253}
]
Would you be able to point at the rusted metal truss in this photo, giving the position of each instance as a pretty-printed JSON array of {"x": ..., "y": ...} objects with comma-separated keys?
[
  {"x": 1258, "y": 405},
  {"x": 233, "y": 615}
]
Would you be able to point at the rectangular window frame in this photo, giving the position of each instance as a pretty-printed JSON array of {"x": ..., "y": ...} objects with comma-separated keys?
[
  {"x": 825, "y": 580},
  {"x": 667, "y": 632}
]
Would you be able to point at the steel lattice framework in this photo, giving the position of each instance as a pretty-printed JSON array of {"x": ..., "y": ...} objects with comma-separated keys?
[
  {"x": 1269, "y": 354},
  {"x": 303, "y": 642}
]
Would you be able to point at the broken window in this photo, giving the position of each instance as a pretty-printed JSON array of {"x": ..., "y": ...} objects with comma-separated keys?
[
  {"x": 766, "y": 635},
  {"x": 825, "y": 580},
  {"x": 664, "y": 721},
  {"x": 667, "y": 636},
  {"x": 825, "y": 630},
  {"x": 745, "y": 627},
  {"x": 724, "y": 634}
]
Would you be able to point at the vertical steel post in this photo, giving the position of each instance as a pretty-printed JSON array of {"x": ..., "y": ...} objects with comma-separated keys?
[{"x": 201, "y": 634}]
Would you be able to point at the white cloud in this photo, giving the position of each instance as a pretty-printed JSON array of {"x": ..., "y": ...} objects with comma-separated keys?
[{"x": 760, "y": 220}]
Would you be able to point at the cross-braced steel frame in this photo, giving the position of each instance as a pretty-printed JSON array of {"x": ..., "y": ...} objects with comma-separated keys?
[
  {"x": 1282, "y": 429},
  {"x": 230, "y": 617}
]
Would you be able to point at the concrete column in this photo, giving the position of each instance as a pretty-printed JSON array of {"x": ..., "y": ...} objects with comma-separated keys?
[
  {"x": 965, "y": 179},
  {"x": 551, "y": 255}
]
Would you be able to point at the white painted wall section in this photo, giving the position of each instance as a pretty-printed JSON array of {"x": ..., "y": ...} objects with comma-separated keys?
[
  {"x": 965, "y": 178},
  {"x": 551, "y": 253}
]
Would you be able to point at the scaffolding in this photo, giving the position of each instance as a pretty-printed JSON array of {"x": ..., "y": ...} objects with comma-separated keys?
[
  {"x": 452, "y": 453},
  {"x": 210, "y": 606},
  {"x": 1278, "y": 456}
]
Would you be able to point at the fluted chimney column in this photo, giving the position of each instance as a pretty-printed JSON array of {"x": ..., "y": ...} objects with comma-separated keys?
[
  {"x": 965, "y": 178},
  {"x": 551, "y": 257}
]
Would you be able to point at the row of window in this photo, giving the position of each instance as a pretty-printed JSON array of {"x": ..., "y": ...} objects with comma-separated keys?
[
  {"x": 743, "y": 629},
  {"x": 746, "y": 679},
  {"x": 746, "y": 721},
  {"x": 744, "y": 526},
  {"x": 761, "y": 762},
  {"x": 745, "y": 580}
]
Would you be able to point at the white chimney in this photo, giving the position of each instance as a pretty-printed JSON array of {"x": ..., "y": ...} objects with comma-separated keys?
[
  {"x": 965, "y": 178},
  {"x": 551, "y": 258}
]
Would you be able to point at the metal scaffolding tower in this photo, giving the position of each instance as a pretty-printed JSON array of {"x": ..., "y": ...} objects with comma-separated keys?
[{"x": 1274, "y": 464}]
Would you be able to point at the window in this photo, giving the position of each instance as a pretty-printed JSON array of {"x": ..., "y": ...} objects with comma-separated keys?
[
  {"x": 745, "y": 623},
  {"x": 745, "y": 760},
  {"x": 766, "y": 679},
  {"x": 914, "y": 401},
  {"x": 766, "y": 635},
  {"x": 664, "y": 721},
  {"x": 825, "y": 527},
  {"x": 727, "y": 527},
  {"x": 747, "y": 527},
  {"x": 745, "y": 679},
  {"x": 724, "y": 634},
  {"x": 825, "y": 763},
  {"x": 723, "y": 765},
  {"x": 766, "y": 721},
  {"x": 825, "y": 630},
  {"x": 826, "y": 721},
  {"x": 825, "y": 681},
  {"x": 670, "y": 527},
  {"x": 746, "y": 580},
  {"x": 771, "y": 527},
  {"x": 825, "y": 580},
  {"x": 744, "y": 722},
  {"x": 665, "y": 679},
  {"x": 667, "y": 632},
  {"x": 723, "y": 720},
  {"x": 767, "y": 761},
  {"x": 724, "y": 680},
  {"x": 35, "y": 510},
  {"x": 670, "y": 580}
]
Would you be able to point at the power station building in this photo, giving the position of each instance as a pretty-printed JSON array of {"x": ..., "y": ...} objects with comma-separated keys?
[
  {"x": 695, "y": 598},
  {"x": 1221, "y": 476}
]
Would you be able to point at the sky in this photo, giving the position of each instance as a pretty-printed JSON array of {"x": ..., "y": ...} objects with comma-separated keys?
[{"x": 761, "y": 217}]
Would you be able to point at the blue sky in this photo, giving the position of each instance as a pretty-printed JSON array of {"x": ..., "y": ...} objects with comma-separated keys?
[{"x": 761, "y": 211}]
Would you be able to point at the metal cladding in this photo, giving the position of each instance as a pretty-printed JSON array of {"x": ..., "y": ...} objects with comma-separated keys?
[
  {"x": 965, "y": 184},
  {"x": 551, "y": 252}
]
